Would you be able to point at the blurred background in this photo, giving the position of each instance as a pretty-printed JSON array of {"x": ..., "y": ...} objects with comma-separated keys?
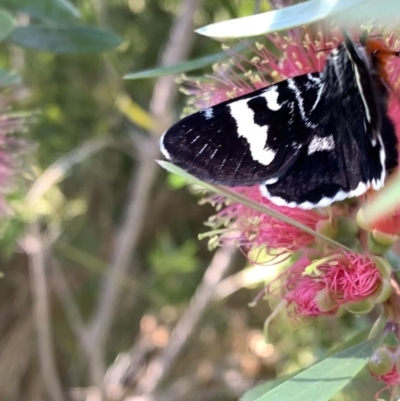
[{"x": 105, "y": 284}]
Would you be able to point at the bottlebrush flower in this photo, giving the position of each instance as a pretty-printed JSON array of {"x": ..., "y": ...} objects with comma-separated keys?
[
  {"x": 301, "y": 54},
  {"x": 325, "y": 286},
  {"x": 394, "y": 105},
  {"x": 306, "y": 295},
  {"x": 393, "y": 75},
  {"x": 250, "y": 228}
]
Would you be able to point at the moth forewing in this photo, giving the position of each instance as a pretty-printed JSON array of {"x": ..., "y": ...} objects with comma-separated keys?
[{"x": 308, "y": 141}]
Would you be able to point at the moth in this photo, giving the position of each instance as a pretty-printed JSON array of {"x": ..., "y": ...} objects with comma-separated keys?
[{"x": 307, "y": 141}]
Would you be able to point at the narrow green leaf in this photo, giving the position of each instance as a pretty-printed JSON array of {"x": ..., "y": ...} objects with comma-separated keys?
[
  {"x": 277, "y": 20},
  {"x": 53, "y": 10},
  {"x": 323, "y": 380},
  {"x": 256, "y": 392},
  {"x": 8, "y": 78},
  {"x": 65, "y": 40},
  {"x": 248, "y": 202},
  {"x": 183, "y": 67},
  {"x": 7, "y": 24}
]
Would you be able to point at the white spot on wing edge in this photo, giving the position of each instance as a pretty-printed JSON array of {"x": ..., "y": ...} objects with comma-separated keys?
[
  {"x": 271, "y": 181},
  {"x": 316, "y": 79},
  {"x": 255, "y": 135},
  {"x": 208, "y": 113},
  {"x": 382, "y": 158},
  {"x": 162, "y": 147},
  {"x": 323, "y": 202},
  {"x": 318, "y": 144},
  {"x": 271, "y": 96}
]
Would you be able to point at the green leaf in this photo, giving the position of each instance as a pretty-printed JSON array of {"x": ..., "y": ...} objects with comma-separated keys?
[
  {"x": 323, "y": 380},
  {"x": 8, "y": 78},
  {"x": 250, "y": 203},
  {"x": 7, "y": 24},
  {"x": 65, "y": 40},
  {"x": 277, "y": 20},
  {"x": 183, "y": 67},
  {"x": 175, "y": 181},
  {"x": 257, "y": 391},
  {"x": 54, "y": 10}
]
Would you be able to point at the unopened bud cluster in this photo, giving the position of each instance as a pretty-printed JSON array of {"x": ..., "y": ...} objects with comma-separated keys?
[
  {"x": 382, "y": 234},
  {"x": 384, "y": 365}
]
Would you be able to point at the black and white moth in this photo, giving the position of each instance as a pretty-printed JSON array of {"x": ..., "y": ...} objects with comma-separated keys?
[{"x": 308, "y": 141}]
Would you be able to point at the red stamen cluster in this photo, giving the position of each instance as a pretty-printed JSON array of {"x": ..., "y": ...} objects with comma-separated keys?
[
  {"x": 250, "y": 228},
  {"x": 344, "y": 279}
]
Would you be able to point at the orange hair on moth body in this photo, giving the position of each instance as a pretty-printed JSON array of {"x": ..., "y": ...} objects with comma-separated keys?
[{"x": 380, "y": 55}]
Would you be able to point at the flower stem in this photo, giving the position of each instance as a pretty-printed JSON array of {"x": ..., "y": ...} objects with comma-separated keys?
[{"x": 394, "y": 393}]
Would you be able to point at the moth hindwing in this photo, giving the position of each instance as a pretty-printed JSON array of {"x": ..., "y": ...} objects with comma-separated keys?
[{"x": 308, "y": 141}]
